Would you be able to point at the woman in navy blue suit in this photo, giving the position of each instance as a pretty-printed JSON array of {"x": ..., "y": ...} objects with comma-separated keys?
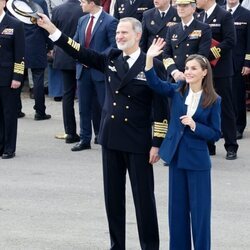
[{"x": 195, "y": 119}]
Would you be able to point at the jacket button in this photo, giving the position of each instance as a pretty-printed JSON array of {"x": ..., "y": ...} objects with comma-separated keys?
[
  {"x": 112, "y": 116},
  {"x": 175, "y": 56},
  {"x": 187, "y": 44},
  {"x": 117, "y": 92},
  {"x": 114, "y": 103},
  {"x": 127, "y": 107},
  {"x": 128, "y": 96},
  {"x": 126, "y": 119},
  {"x": 187, "y": 55}
]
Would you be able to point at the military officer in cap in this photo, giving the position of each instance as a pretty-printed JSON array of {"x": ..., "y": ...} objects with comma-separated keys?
[
  {"x": 224, "y": 40},
  {"x": 156, "y": 21},
  {"x": 11, "y": 74},
  {"x": 131, "y": 8},
  {"x": 241, "y": 62},
  {"x": 185, "y": 38}
]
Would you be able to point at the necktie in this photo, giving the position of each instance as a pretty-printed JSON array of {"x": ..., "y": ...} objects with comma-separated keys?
[
  {"x": 162, "y": 15},
  {"x": 230, "y": 10},
  {"x": 205, "y": 17},
  {"x": 185, "y": 27},
  {"x": 89, "y": 32},
  {"x": 125, "y": 63}
]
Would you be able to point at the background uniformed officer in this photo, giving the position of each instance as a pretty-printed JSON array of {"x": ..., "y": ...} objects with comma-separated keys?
[
  {"x": 156, "y": 21},
  {"x": 11, "y": 74},
  {"x": 131, "y": 8},
  {"x": 185, "y": 38},
  {"x": 224, "y": 35},
  {"x": 241, "y": 62}
]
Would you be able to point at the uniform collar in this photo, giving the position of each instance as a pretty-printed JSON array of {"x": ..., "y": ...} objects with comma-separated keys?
[
  {"x": 210, "y": 10},
  {"x": 233, "y": 9}
]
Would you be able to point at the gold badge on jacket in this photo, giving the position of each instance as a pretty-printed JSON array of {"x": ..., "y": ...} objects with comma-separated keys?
[
  {"x": 195, "y": 34},
  {"x": 141, "y": 76},
  {"x": 8, "y": 31}
]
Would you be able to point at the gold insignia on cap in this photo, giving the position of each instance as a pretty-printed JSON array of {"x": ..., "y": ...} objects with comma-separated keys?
[
  {"x": 216, "y": 52},
  {"x": 19, "y": 68},
  {"x": 184, "y": 1},
  {"x": 167, "y": 62},
  {"x": 247, "y": 57},
  {"x": 73, "y": 44},
  {"x": 160, "y": 129}
]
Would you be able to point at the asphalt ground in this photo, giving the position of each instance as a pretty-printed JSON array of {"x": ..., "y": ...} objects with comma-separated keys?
[{"x": 52, "y": 198}]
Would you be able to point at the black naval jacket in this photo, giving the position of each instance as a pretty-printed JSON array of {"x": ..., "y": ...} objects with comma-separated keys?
[
  {"x": 126, "y": 123},
  {"x": 196, "y": 39},
  {"x": 241, "y": 53},
  {"x": 153, "y": 26},
  {"x": 223, "y": 31},
  {"x": 131, "y": 8},
  {"x": 11, "y": 50}
]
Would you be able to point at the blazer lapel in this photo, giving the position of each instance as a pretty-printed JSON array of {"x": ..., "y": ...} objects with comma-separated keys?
[
  {"x": 97, "y": 25},
  {"x": 3, "y": 24},
  {"x": 137, "y": 67},
  {"x": 84, "y": 29},
  {"x": 185, "y": 33},
  {"x": 118, "y": 62}
]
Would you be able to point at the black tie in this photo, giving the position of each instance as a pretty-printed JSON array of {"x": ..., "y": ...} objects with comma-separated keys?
[
  {"x": 205, "y": 17},
  {"x": 162, "y": 15},
  {"x": 230, "y": 10},
  {"x": 125, "y": 65},
  {"x": 185, "y": 27}
]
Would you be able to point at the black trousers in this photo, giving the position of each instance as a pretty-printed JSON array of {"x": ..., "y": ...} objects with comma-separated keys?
[
  {"x": 69, "y": 91},
  {"x": 239, "y": 101},
  {"x": 223, "y": 87},
  {"x": 8, "y": 119},
  {"x": 115, "y": 165},
  {"x": 38, "y": 79}
]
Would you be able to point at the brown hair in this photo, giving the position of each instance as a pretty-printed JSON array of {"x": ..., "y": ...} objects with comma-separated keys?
[{"x": 209, "y": 96}]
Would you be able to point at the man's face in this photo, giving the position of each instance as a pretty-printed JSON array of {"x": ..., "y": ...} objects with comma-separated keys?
[
  {"x": 185, "y": 10},
  {"x": 86, "y": 6},
  {"x": 232, "y": 2},
  {"x": 161, "y": 4},
  {"x": 2, "y": 5},
  {"x": 201, "y": 4},
  {"x": 126, "y": 37}
]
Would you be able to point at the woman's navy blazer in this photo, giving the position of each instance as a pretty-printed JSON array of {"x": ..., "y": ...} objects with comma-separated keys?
[{"x": 186, "y": 148}]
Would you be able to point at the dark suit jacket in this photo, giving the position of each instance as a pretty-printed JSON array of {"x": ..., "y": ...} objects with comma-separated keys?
[
  {"x": 241, "y": 53},
  {"x": 37, "y": 42},
  {"x": 126, "y": 123},
  {"x": 154, "y": 26},
  {"x": 123, "y": 8},
  {"x": 102, "y": 39},
  {"x": 223, "y": 31},
  {"x": 196, "y": 39},
  {"x": 12, "y": 47},
  {"x": 65, "y": 17},
  {"x": 187, "y": 147}
]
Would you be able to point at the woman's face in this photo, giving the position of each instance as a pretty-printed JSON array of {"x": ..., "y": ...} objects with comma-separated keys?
[{"x": 194, "y": 74}]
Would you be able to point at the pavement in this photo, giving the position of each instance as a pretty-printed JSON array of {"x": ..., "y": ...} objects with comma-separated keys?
[{"x": 52, "y": 198}]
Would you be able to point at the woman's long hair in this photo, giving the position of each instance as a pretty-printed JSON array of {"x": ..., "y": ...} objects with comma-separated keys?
[{"x": 209, "y": 96}]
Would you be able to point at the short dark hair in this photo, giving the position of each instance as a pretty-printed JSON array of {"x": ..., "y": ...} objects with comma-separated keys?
[{"x": 96, "y": 2}]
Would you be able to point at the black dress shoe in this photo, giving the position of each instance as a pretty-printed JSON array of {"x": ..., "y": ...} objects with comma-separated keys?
[
  {"x": 81, "y": 146},
  {"x": 57, "y": 98},
  {"x": 231, "y": 155},
  {"x": 8, "y": 155},
  {"x": 96, "y": 140},
  {"x": 238, "y": 135},
  {"x": 39, "y": 117},
  {"x": 32, "y": 94},
  {"x": 20, "y": 114},
  {"x": 72, "y": 138}
]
